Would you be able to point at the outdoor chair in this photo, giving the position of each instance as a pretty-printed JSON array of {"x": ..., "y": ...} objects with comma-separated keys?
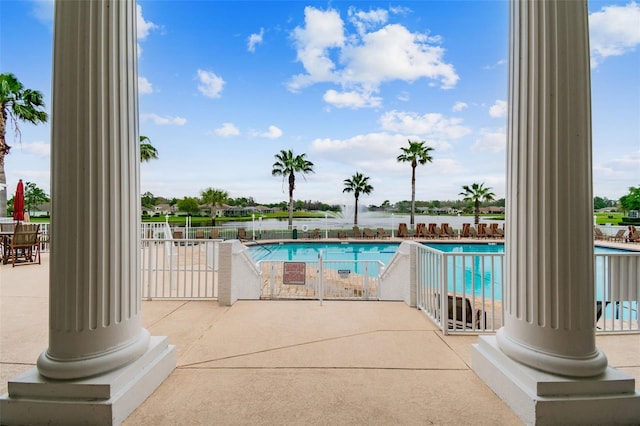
[
  {"x": 315, "y": 233},
  {"x": 368, "y": 233},
  {"x": 602, "y": 306},
  {"x": 444, "y": 231},
  {"x": 381, "y": 233},
  {"x": 356, "y": 232},
  {"x": 473, "y": 233},
  {"x": 431, "y": 231},
  {"x": 465, "y": 230},
  {"x": 7, "y": 227},
  {"x": 342, "y": 234},
  {"x": 403, "y": 231},
  {"x": 462, "y": 316},
  {"x": 482, "y": 231},
  {"x": 598, "y": 235},
  {"x": 452, "y": 233},
  {"x": 242, "y": 234},
  {"x": 25, "y": 244},
  {"x": 214, "y": 234},
  {"x": 497, "y": 232},
  {"x": 634, "y": 238},
  {"x": 619, "y": 236}
]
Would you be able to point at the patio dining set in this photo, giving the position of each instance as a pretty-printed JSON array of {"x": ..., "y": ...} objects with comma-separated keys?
[{"x": 20, "y": 243}]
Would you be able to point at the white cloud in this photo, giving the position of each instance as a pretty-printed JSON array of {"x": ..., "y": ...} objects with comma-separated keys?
[
  {"x": 255, "y": 39},
  {"x": 377, "y": 150},
  {"x": 376, "y": 153},
  {"x": 272, "y": 133},
  {"x": 143, "y": 27},
  {"x": 351, "y": 99},
  {"x": 227, "y": 129},
  {"x": 40, "y": 149},
  {"x": 614, "y": 177},
  {"x": 322, "y": 31},
  {"x": 628, "y": 165},
  {"x": 459, "y": 106},
  {"x": 614, "y": 31},
  {"x": 164, "y": 121},
  {"x": 496, "y": 65},
  {"x": 367, "y": 20},
  {"x": 144, "y": 86},
  {"x": 211, "y": 85},
  {"x": 427, "y": 125},
  {"x": 43, "y": 11},
  {"x": 403, "y": 96},
  {"x": 490, "y": 140},
  {"x": 360, "y": 62},
  {"x": 499, "y": 109}
]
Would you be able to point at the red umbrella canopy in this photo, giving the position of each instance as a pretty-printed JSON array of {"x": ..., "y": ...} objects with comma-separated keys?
[{"x": 18, "y": 203}]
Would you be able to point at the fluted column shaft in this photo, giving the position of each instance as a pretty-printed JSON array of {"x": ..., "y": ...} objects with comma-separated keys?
[
  {"x": 94, "y": 274},
  {"x": 549, "y": 299}
]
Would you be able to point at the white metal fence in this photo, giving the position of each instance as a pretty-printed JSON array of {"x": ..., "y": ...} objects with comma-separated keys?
[
  {"x": 462, "y": 292},
  {"x": 617, "y": 291},
  {"x": 321, "y": 279},
  {"x": 178, "y": 269}
]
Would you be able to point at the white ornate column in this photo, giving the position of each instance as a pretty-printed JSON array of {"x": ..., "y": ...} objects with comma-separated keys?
[
  {"x": 549, "y": 330},
  {"x": 549, "y": 300},
  {"x": 94, "y": 318},
  {"x": 107, "y": 362}
]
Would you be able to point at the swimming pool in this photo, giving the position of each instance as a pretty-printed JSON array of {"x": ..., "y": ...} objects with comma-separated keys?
[{"x": 383, "y": 252}]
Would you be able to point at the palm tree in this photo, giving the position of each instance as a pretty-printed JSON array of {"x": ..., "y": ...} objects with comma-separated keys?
[
  {"x": 416, "y": 153},
  {"x": 358, "y": 184},
  {"x": 147, "y": 151},
  {"x": 476, "y": 193},
  {"x": 17, "y": 104},
  {"x": 287, "y": 165},
  {"x": 214, "y": 197}
]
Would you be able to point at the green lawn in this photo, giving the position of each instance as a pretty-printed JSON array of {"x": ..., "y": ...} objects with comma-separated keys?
[{"x": 604, "y": 218}]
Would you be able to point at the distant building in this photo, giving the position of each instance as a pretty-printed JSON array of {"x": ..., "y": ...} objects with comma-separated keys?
[{"x": 492, "y": 210}]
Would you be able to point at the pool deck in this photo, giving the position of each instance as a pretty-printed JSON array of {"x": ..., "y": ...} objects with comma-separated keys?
[
  {"x": 290, "y": 362},
  {"x": 600, "y": 243}
]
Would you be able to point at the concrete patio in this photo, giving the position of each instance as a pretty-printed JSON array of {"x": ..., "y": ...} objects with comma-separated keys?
[{"x": 290, "y": 362}]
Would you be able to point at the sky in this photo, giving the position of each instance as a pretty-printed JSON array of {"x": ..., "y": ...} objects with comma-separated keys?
[{"x": 225, "y": 85}]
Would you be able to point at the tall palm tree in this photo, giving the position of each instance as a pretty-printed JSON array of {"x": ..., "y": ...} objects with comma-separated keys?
[
  {"x": 287, "y": 165},
  {"x": 416, "y": 153},
  {"x": 475, "y": 194},
  {"x": 358, "y": 184},
  {"x": 147, "y": 151},
  {"x": 17, "y": 104},
  {"x": 213, "y": 197}
]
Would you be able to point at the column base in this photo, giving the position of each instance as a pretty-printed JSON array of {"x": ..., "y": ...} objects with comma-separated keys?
[
  {"x": 542, "y": 398},
  {"x": 106, "y": 399}
]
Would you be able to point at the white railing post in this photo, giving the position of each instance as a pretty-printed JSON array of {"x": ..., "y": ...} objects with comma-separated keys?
[
  {"x": 149, "y": 275},
  {"x": 320, "y": 276},
  {"x": 444, "y": 296}
]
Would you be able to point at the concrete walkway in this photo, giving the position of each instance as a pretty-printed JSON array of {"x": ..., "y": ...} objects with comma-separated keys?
[{"x": 290, "y": 362}]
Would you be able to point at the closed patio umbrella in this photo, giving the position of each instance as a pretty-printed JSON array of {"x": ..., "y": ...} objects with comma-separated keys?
[{"x": 18, "y": 203}]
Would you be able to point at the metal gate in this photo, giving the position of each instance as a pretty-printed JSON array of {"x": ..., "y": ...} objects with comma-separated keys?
[{"x": 321, "y": 279}]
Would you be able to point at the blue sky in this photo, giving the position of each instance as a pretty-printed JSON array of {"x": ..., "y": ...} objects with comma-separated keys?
[{"x": 225, "y": 85}]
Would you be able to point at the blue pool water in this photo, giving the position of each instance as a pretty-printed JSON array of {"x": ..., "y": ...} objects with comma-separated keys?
[
  {"x": 330, "y": 251},
  {"x": 365, "y": 251}
]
